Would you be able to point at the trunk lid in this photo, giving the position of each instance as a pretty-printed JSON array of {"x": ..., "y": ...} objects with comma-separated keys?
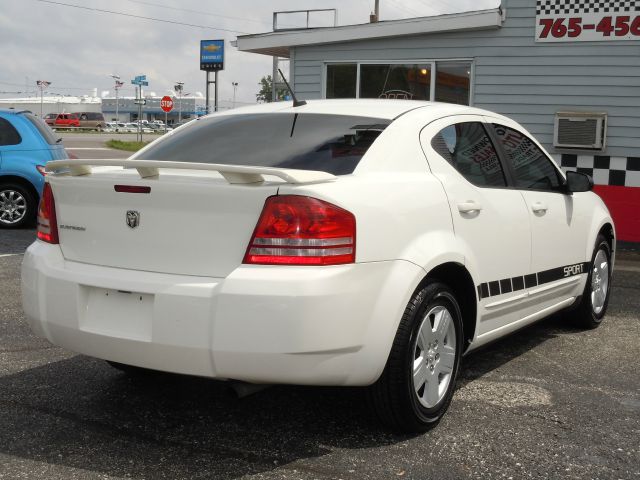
[{"x": 189, "y": 223}]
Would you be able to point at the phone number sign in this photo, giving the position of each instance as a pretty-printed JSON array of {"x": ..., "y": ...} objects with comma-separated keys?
[{"x": 587, "y": 20}]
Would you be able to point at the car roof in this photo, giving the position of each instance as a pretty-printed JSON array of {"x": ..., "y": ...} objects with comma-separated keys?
[
  {"x": 376, "y": 108},
  {"x": 13, "y": 111}
]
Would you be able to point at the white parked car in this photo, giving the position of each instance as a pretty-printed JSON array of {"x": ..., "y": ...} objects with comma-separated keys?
[
  {"x": 135, "y": 127},
  {"x": 123, "y": 127},
  {"x": 347, "y": 242}
]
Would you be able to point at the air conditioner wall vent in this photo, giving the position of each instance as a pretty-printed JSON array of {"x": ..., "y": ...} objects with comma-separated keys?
[{"x": 580, "y": 130}]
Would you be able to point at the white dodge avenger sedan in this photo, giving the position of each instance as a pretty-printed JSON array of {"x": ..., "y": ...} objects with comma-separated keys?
[{"x": 345, "y": 242}]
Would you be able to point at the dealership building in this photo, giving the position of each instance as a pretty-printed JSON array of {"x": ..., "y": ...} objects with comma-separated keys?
[
  {"x": 184, "y": 108},
  {"x": 567, "y": 70}
]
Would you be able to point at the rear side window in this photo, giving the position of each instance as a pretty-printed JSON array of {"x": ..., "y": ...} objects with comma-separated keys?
[
  {"x": 329, "y": 143},
  {"x": 467, "y": 147},
  {"x": 8, "y": 134},
  {"x": 44, "y": 129},
  {"x": 533, "y": 169}
]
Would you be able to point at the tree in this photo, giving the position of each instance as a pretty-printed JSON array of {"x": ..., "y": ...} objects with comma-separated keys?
[{"x": 265, "y": 93}]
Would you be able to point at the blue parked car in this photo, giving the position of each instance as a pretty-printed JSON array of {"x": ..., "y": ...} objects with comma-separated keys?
[{"x": 26, "y": 145}]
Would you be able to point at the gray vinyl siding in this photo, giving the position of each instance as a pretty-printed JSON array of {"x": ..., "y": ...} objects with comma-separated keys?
[{"x": 513, "y": 74}]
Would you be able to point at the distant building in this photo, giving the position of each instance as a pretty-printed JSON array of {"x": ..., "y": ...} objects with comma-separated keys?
[
  {"x": 185, "y": 108},
  {"x": 54, "y": 104}
]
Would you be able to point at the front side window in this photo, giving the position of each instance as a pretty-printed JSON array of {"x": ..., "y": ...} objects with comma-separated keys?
[
  {"x": 533, "y": 169},
  {"x": 468, "y": 148},
  {"x": 8, "y": 134},
  {"x": 329, "y": 143},
  {"x": 395, "y": 81}
]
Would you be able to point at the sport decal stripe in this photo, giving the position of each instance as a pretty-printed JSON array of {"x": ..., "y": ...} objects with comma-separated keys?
[{"x": 508, "y": 285}]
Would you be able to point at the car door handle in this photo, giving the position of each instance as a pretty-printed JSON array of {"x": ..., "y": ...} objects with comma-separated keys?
[
  {"x": 539, "y": 207},
  {"x": 469, "y": 206}
]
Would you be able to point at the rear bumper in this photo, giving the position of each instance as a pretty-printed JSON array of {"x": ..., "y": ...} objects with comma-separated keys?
[{"x": 264, "y": 324}]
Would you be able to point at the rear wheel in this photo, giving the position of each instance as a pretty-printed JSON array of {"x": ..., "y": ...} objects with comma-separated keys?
[
  {"x": 17, "y": 206},
  {"x": 595, "y": 298},
  {"x": 417, "y": 384}
]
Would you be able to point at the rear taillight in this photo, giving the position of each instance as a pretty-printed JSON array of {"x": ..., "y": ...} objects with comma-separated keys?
[
  {"x": 42, "y": 170},
  {"x": 297, "y": 230},
  {"x": 47, "y": 222}
]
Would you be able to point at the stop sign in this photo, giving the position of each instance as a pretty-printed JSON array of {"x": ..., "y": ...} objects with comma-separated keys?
[{"x": 166, "y": 104}]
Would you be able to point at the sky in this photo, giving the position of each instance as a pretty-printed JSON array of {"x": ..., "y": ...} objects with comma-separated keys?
[{"x": 78, "y": 49}]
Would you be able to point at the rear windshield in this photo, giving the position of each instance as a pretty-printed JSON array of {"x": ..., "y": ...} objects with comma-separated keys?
[
  {"x": 44, "y": 129},
  {"x": 329, "y": 143}
]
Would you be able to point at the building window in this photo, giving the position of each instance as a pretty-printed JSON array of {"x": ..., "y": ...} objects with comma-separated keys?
[
  {"x": 341, "y": 80},
  {"x": 411, "y": 81},
  {"x": 408, "y": 82},
  {"x": 453, "y": 82}
]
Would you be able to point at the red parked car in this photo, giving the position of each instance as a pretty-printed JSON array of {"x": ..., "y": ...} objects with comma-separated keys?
[{"x": 62, "y": 120}]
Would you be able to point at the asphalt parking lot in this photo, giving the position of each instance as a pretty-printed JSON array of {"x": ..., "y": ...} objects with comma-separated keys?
[
  {"x": 92, "y": 145},
  {"x": 547, "y": 402}
]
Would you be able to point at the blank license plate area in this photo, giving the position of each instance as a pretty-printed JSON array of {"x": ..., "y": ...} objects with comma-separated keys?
[{"x": 117, "y": 313}]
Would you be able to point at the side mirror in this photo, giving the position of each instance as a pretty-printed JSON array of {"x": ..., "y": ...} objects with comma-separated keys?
[{"x": 578, "y": 182}]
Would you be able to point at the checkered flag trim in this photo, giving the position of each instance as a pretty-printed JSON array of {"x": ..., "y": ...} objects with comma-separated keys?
[
  {"x": 559, "y": 7},
  {"x": 605, "y": 170}
]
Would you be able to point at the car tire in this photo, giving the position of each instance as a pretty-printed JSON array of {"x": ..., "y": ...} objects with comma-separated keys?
[
  {"x": 592, "y": 308},
  {"x": 418, "y": 381},
  {"x": 18, "y": 206}
]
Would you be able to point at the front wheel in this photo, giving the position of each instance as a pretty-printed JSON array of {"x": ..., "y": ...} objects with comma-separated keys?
[
  {"x": 417, "y": 384},
  {"x": 595, "y": 298}
]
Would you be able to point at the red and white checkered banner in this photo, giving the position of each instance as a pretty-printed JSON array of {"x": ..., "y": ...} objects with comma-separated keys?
[{"x": 587, "y": 20}]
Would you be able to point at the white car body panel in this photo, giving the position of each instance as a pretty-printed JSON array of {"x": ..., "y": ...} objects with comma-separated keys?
[{"x": 173, "y": 294}]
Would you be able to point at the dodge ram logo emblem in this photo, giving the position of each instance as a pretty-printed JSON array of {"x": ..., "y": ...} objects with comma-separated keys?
[{"x": 133, "y": 218}]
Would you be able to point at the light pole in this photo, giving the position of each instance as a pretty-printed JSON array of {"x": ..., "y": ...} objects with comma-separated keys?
[
  {"x": 117, "y": 86},
  {"x": 235, "y": 86},
  {"x": 42, "y": 84},
  {"x": 179, "y": 87}
]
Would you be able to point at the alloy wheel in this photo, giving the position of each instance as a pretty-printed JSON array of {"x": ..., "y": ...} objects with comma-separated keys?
[
  {"x": 599, "y": 281},
  {"x": 13, "y": 207},
  {"x": 434, "y": 356}
]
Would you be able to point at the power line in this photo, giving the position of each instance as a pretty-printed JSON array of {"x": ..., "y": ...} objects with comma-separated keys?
[
  {"x": 142, "y": 17},
  {"x": 445, "y": 2},
  {"x": 200, "y": 12},
  {"x": 403, "y": 7}
]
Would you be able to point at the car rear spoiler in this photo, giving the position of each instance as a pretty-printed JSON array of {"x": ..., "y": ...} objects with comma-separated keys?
[{"x": 151, "y": 168}]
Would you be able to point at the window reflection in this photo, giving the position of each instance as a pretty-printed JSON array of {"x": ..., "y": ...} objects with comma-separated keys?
[
  {"x": 341, "y": 80},
  {"x": 395, "y": 81},
  {"x": 453, "y": 82}
]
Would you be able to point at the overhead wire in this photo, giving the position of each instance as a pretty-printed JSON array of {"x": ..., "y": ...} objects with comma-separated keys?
[
  {"x": 141, "y": 17},
  {"x": 200, "y": 12},
  {"x": 400, "y": 6}
]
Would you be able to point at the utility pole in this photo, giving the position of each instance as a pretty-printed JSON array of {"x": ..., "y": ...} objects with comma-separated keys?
[
  {"x": 375, "y": 17},
  {"x": 215, "y": 91},
  {"x": 179, "y": 87},
  {"x": 42, "y": 84},
  {"x": 235, "y": 86},
  {"x": 118, "y": 84}
]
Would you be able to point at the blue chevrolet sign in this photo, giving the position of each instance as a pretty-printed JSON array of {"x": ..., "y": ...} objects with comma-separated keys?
[{"x": 211, "y": 55}]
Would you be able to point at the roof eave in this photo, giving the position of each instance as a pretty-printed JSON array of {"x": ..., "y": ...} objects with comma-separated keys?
[{"x": 279, "y": 42}]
